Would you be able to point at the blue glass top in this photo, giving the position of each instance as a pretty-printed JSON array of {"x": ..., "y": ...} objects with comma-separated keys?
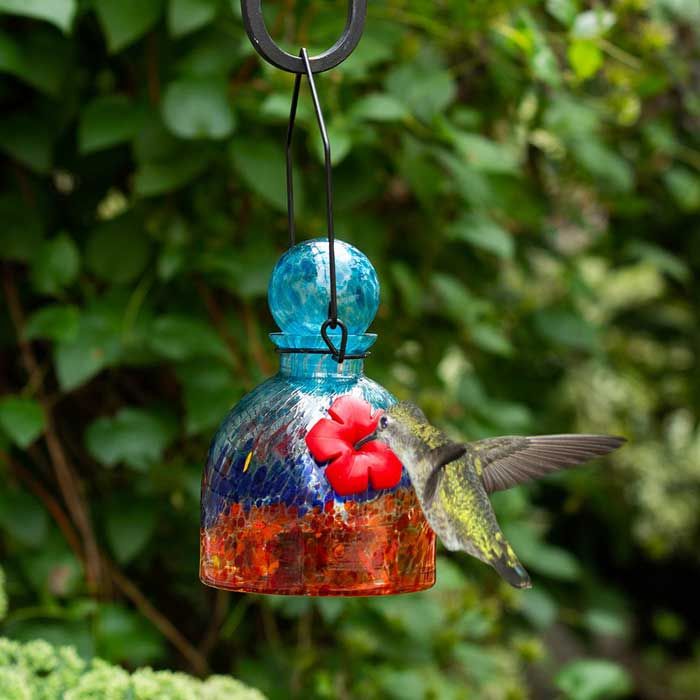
[{"x": 299, "y": 290}]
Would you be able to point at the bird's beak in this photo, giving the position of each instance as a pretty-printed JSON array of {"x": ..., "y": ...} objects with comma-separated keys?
[{"x": 366, "y": 439}]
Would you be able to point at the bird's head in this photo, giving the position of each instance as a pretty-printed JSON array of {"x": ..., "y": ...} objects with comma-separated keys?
[{"x": 400, "y": 427}]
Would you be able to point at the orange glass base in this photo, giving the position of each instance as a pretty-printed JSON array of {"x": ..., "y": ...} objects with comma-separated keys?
[{"x": 380, "y": 547}]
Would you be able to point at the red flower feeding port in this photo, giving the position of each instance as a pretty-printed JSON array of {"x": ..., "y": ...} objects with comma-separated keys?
[{"x": 351, "y": 469}]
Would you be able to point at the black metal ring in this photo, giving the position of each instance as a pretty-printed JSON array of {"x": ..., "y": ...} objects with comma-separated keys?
[
  {"x": 338, "y": 354},
  {"x": 262, "y": 41}
]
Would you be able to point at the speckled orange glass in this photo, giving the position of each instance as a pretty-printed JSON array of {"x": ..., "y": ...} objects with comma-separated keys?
[{"x": 377, "y": 547}]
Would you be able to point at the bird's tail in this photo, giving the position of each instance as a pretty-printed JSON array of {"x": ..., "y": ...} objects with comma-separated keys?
[{"x": 511, "y": 570}]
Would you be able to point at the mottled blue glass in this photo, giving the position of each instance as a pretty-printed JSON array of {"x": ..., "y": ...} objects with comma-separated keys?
[{"x": 298, "y": 293}]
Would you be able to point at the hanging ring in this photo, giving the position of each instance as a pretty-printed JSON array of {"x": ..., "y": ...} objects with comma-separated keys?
[{"x": 266, "y": 47}]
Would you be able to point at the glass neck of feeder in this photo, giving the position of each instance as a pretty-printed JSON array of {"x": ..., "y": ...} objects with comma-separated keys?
[{"x": 307, "y": 364}]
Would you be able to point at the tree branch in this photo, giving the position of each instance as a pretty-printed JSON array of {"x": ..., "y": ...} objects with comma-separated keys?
[
  {"x": 168, "y": 630},
  {"x": 66, "y": 476}
]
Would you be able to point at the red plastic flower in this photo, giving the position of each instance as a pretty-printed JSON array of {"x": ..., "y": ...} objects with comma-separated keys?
[{"x": 351, "y": 470}]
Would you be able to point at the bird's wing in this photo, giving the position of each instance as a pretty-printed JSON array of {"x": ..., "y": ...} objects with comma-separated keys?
[
  {"x": 507, "y": 461},
  {"x": 439, "y": 458}
]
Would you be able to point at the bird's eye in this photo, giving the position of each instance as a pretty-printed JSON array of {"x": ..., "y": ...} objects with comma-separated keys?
[{"x": 383, "y": 422}]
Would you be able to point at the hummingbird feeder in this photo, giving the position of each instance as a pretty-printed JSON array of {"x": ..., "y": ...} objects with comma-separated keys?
[{"x": 296, "y": 496}]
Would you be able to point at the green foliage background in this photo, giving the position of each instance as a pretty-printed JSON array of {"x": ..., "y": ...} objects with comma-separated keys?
[{"x": 524, "y": 175}]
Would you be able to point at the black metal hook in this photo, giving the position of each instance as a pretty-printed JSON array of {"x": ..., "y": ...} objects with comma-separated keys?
[
  {"x": 266, "y": 47},
  {"x": 337, "y": 353}
]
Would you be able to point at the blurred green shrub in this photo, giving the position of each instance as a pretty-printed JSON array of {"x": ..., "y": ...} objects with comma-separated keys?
[{"x": 36, "y": 670}]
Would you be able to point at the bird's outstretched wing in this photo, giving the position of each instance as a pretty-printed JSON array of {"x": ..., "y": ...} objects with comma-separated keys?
[{"x": 507, "y": 461}]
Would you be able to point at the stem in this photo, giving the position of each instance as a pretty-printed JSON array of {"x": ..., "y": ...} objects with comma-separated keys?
[
  {"x": 66, "y": 476},
  {"x": 219, "y": 320},
  {"x": 168, "y": 630}
]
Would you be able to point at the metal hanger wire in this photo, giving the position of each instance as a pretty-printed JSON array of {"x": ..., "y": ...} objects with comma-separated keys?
[
  {"x": 337, "y": 352},
  {"x": 304, "y": 65}
]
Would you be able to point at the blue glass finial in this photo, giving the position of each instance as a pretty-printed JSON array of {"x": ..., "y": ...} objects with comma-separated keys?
[{"x": 299, "y": 288}]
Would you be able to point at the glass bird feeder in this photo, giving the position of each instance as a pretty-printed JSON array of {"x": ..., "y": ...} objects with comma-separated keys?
[{"x": 289, "y": 505}]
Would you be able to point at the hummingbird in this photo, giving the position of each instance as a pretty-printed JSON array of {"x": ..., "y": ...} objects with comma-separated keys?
[{"x": 453, "y": 480}]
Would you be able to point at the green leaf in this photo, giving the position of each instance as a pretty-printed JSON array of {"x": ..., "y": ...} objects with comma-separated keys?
[
  {"x": 165, "y": 163},
  {"x": 275, "y": 107},
  {"x": 417, "y": 167},
  {"x": 585, "y": 58},
  {"x": 684, "y": 10},
  {"x": 109, "y": 120},
  {"x": 122, "y": 636},
  {"x": 401, "y": 684},
  {"x": 97, "y": 345},
  {"x": 593, "y": 679},
  {"x": 567, "y": 328},
  {"x": 134, "y": 436},
  {"x": 608, "y": 623},
  {"x": 491, "y": 339},
  {"x": 544, "y": 62},
  {"x": 424, "y": 87},
  {"x": 544, "y": 558},
  {"x": 23, "y": 517},
  {"x": 58, "y": 12},
  {"x": 21, "y": 230},
  {"x": 125, "y": 21},
  {"x": 158, "y": 178},
  {"x": 538, "y": 607},
  {"x": 458, "y": 302},
  {"x": 669, "y": 626},
  {"x": 213, "y": 53},
  {"x": 340, "y": 137},
  {"x": 186, "y": 16},
  {"x": 56, "y": 265},
  {"x": 480, "y": 661},
  {"x": 564, "y": 11},
  {"x": 660, "y": 258},
  {"x": 377, "y": 46},
  {"x": 177, "y": 337},
  {"x": 209, "y": 392},
  {"x": 593, "y": 24},
  {"x": 260, "y": 164},
  {"x": 198, "y": 108},
  {"x": 411, "y": 291},
  {"x": 246, "y": 273},
  {"x": 28, "y": 138},
  {"x": 379, "y": 107},
  {"x": 556, "y": 563},
  {"x": 604, "y": 164},
  {"x": 129, "y": 524},
  {"x": 22, "y": 419},
  {"x": 50, "y": 567},
  {"x": 684, "y": 186},
  {"x": 40, "y": 59},
  {"x": 118, "y": 250},
  {"x": 484, "y": 154},
  {"x": 483, "y": 232},
  {"x": 53, "y": 322}
]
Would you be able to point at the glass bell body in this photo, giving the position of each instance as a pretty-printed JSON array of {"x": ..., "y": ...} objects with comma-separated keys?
[{"x": 272, "y": 522}]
